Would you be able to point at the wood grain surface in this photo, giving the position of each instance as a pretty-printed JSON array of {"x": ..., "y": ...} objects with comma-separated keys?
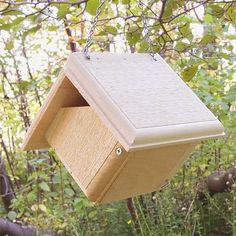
[
  {"x": 88, "y": 150},
  {"x": 62, "y": 94}
]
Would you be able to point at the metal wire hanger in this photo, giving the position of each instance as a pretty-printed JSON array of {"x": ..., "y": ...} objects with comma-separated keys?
[
  {"x": 145, "y": 30},
  {"x": 92, "y": 30},
  {"x": 94, "y": 23}
]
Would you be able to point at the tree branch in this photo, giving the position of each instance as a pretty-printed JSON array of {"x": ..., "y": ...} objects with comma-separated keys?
[
  {"x": 133, "y": 213},
  {"x": 69, "y": 34},
  {"x": 13, "y": 3}
]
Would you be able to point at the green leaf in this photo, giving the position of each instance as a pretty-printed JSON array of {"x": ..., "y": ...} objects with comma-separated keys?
[
  {"x": 217, "y": 11},
  {"x": 181, "y": 46},
  {"x": 208, "y": 19},
  {"x": 42, "y": 207},
  {"x": 12, "y": 12},
  {"x": 56, "y": 179},
  {"x": 203, "y": 167},
  {"x": 78, "y": 204},
  {"x": 143, "y": 46},
  {"x": 12, "y": 215},
  {"x": 87, "y": 203},
  {"x": 189, "y": 72},
  {"x": 185, "y": 30},
  {"x": 52, "y": 28},
  {"x": 53, "y": 194},
  {"x": 32, "y": 30},
  {"x": 9, "y": 45},
  {"x": 17, "y": 21},
  {"x": 111, "y": 29},
  {"x": 231, "y": 37},
  {"x": 213, "y": 63},
  {"x": 62, "y": 10},
  {"x": 92, "y": 214},
  {"x": 208, "y": 38},
  {"x": 224, "y": 55},
  {"x": 230, "y": 13},
  {"x": 169, "y": 7},
  {"x": 31, "y": 196},
  {"x": 24, "y": 85},
  {"x": 134, "y": 35},
  {"x": 110, "y": 210},
  {"x": 230, "y": 48},
  {"x": 101, "y": 33},
  {"x": 69, "y": 192},
  {"x": 92, "y": 6},
  {"x": 5, "y": 27},
  {"x": 125, "y": 2},
  {"x": 44, "y": 186}
]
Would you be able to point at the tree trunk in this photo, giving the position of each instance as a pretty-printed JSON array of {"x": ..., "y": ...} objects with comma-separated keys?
[
  {"x": 12, "y": 229},
  {"x": 133, "y": 213},
  {"x": 5, "y": 187}
]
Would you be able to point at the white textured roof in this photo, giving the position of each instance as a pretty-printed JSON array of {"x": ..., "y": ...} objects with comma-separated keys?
[{"x": 142, "y": 101}]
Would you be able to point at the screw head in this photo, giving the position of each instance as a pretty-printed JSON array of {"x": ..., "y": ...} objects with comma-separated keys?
[{"x": 118, "y": 151}]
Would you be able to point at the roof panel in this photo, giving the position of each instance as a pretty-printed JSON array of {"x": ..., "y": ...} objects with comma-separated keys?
[
  {"x": 148, "y": 92},
  {"x": 139, "y": 99}
]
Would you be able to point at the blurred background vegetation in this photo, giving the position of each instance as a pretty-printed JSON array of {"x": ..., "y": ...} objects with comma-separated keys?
[{"x": 197, "y": 38}]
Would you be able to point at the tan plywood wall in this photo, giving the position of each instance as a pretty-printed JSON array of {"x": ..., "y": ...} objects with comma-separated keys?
[{"x": 88, "y": 150}]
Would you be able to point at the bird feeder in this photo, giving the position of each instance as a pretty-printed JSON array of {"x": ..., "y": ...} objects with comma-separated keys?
[{"x": 122, "y": 124}]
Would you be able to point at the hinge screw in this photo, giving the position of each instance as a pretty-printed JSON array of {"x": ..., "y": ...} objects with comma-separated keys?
[{"x": 118, "y": 151}]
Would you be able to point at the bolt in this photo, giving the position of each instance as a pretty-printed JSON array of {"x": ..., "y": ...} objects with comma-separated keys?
[{"x": 118, "y": 151}]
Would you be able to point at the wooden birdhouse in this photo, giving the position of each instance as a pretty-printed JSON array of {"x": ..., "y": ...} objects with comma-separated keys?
[{"x": 122, "y": 124}]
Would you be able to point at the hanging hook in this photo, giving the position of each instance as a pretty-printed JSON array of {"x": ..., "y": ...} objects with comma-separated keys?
[
  {"x": 92, "y": 30},
  {"x": 146, "y": 31}
]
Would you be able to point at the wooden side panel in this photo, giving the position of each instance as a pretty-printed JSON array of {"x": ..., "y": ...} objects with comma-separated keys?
[
  {"x": 88, "y": 150},
  {"x": 147, "y": 171},
  {"x": 107, "y": 174},
  {"x": 62, "y": 94},
  {"x": 81, "y": 141}
]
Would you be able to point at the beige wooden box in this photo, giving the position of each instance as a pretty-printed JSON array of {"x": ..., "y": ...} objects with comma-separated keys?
[{"x": 122, "y": 124}]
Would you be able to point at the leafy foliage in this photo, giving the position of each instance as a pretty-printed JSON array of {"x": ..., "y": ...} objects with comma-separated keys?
[{"x": 197, "y": 38}]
